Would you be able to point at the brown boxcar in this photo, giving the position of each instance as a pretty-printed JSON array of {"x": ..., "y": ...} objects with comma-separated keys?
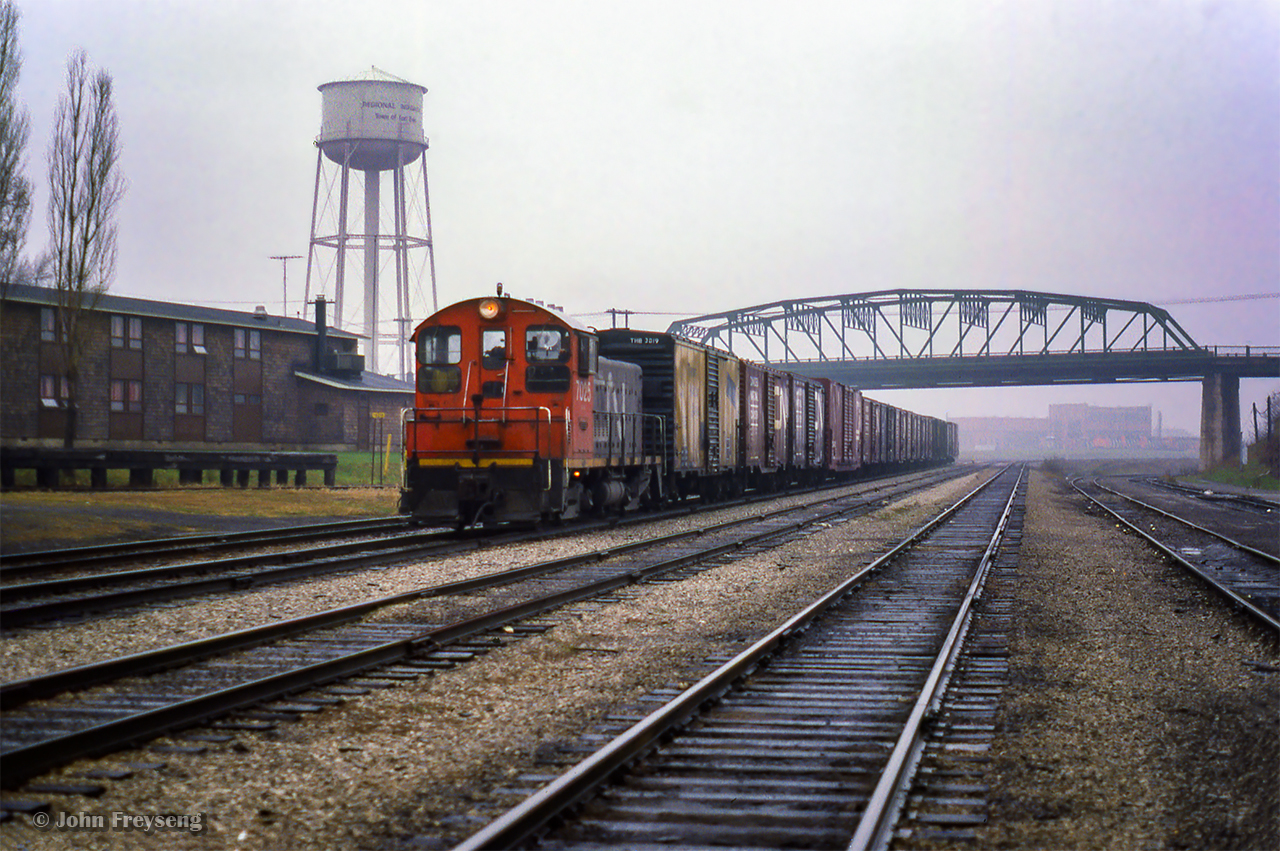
[
  {"x": 763, "y": 424},
  {"x": 842, "y": 432},
  {"x": 804, "y": 432}
]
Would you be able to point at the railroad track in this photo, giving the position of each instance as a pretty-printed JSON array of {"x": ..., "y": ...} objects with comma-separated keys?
[
  {"x": 44, "y": 563},
  {"x": 1208, "y": 494},
  {"x": 810, "y": 737},
  {"x": 99, "y": 593},
  {"x": 52, "y": 719},
  {"x": 1248, "y": 577},
  {"x": 90, "y": 594}
]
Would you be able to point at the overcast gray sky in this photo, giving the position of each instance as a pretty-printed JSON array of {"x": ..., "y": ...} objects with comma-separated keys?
[{"x": 691, "y": 157}]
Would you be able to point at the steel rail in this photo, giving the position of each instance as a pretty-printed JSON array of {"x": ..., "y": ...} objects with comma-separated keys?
[
  {"x": 875, "y": 827},
  {"x": 529, "y": 817},
  {"x": 1239, "y": 600},
  {"x": 336, "y": 558},
  {"x": 1257, "y": 503},
  {"x": 167, "y": 571},
  {"x": 16, "y": 564},
  {"x": 27, "y": 761},
  {"x": 1265, "y": 556}
]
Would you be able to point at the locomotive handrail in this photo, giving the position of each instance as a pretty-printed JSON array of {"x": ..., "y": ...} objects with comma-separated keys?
[
  {"x": 462, "y": 416},
  {"x": 627, "y": 420},
  {"x": 506, "y": 386},
  {"x": 662, "y": 447}
]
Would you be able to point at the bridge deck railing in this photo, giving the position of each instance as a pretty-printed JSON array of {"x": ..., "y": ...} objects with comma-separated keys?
[{"x": 1212, "y": 351}]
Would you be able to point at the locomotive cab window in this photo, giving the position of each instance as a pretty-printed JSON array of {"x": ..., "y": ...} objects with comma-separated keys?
[
  {"x": 493, "y": 348},
  {"x": 440, "y": 346},
  {"x": 546, "y": 349},
  {"x": 439, "y": 353},
  {"x": 546, "y": 344},
  {"x": 546, "y": 378},
  {"x": 588, "y": 354}
]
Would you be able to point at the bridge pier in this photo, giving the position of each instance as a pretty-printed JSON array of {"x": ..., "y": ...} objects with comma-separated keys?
[{"x": 1219, "y": 419}]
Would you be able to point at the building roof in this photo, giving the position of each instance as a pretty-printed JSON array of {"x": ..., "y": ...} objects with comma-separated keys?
[
  {"x": 368, "y": 382},
  {"x": 109, "y": 303}
]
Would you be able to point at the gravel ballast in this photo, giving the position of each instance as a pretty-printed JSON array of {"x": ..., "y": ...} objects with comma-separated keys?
[
  {"x": 32, "y": 651},
  {"x": 1079, "y": 760},
  {"x": 1142, "y": 713}
]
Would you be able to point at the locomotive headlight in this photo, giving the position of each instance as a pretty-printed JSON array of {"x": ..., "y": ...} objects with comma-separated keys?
[{"x": 490, "y": 308}]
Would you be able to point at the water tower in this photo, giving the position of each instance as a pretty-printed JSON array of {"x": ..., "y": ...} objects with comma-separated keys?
[{"x": 369, "y": 125}]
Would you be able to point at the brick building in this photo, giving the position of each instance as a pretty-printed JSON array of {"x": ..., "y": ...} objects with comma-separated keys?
[
  {"x": 1069, "y": 428},
  {"x": 157, "y": 375},
  {"x": 1076, "y": 426}
]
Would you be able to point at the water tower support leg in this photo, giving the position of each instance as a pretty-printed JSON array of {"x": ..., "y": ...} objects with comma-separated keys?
[{"x": 372, "y": 203}]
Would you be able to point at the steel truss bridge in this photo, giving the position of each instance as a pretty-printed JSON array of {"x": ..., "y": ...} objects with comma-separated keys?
[{"x": 912, "y": 338}]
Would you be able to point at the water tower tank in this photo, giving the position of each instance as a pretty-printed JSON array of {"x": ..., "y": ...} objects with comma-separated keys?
[{"x": 376, "y": 120}]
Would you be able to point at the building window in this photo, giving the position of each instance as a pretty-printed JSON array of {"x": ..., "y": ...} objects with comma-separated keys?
[
  {"x": 248, "y": 399},
  {"x": 188, "y": 399},
  {"x": 126, "y": 396},
  {"x": 48, "y": 325},
  {"x": 188, "y": 338},
  {"x": 49, "y": 391},
  {"x": 248, "y": 344},
  {"x": 126, "y": 331}
]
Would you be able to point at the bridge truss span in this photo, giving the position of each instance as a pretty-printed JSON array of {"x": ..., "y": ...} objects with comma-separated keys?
[{"x": 907, "y": 324}]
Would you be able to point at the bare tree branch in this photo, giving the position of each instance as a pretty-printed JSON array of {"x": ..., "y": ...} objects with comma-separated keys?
[
  {"x": 85, "y": 189},
  {"x": 15, "y": 129}
]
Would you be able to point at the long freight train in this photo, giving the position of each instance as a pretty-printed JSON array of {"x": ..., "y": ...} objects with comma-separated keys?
[{"x": 522, "y": 414}]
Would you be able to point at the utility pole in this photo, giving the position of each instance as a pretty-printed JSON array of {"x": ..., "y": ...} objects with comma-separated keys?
[
  {"x": 614, "y": 313},
  {"x": 284, "y": 268}
]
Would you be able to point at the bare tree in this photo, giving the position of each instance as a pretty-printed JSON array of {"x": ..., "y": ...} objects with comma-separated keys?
[
  {"x": 85, "y": 188},
  {"x": 1266, "y": 434},
  {"x": 15, "y": 129}
]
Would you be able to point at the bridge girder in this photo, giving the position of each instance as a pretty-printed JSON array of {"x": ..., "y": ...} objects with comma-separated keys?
[{"x": 915, "y": 324}]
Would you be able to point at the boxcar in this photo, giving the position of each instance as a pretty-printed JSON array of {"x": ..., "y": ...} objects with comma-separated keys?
[
  {"x": 694, "y": 391},
  {"x": 843, "y": 427},
  {"x": 764, "y": 414},
  {"x": 807, "y": 458}
]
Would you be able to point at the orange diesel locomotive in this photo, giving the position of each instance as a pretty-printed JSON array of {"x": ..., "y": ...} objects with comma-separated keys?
[{"x": 517, "y": 418}]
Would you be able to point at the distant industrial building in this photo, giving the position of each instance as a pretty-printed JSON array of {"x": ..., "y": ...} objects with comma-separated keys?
[
  {"x": 1070, "y": 429},
  {"x": 1080, "y": 426},
  {"x": 159, "y": 375}
]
